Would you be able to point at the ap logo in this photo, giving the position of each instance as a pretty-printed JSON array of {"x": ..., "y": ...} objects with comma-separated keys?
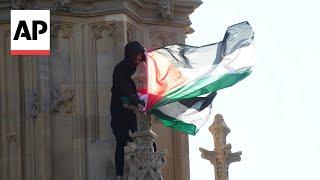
[{"x": 30, "y": 32}]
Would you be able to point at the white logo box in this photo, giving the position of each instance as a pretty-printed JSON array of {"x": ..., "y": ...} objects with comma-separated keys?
[{"x": 36, "y": 18}]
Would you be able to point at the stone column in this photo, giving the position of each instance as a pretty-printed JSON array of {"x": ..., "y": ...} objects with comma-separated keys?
[
  {"x": 222, "y": 156},
  {"x": 144, "y": 163}
]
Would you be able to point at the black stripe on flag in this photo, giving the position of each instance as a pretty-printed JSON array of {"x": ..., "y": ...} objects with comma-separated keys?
[{"x": 204, "y": 101}]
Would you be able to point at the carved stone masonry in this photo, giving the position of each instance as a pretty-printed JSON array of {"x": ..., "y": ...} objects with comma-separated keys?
[
  {"x": 166, "y": 9},
  {"x": 62, "y": 5},
  {"x": 18, "y": 4},
  {"x": 144, "y": 163},
  {"x": 222, "y": 156},
  {"x": 12, "y": 137},
  {"x": 62, "y": 102},
  {"x": 22, "y": 4},
  {"x": 34, "y": 106}
]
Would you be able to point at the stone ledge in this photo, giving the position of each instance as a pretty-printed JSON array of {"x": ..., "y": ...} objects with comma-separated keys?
[{"x": 171, "y": 13}]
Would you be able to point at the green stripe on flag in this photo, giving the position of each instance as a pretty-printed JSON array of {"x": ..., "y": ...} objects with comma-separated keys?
[
  {"x": 172, "y": 122},
  {"x": 193, "y": 90}
]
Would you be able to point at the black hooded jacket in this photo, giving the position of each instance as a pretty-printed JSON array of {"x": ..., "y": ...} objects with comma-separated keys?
[{"x": 123, "y": 85}]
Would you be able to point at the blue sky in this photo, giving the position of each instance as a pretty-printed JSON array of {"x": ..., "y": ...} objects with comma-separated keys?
[{"x": 273, "y": 114}]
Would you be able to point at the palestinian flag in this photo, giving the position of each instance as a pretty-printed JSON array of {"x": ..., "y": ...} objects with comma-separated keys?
[{"x": 182, "y": 80}]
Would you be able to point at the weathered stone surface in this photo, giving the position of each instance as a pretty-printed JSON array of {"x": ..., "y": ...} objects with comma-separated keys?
[
  {"x": 144, "y": 163},
  {"x": 222, "y": 156},
  {"x": 54, "y": 111}
]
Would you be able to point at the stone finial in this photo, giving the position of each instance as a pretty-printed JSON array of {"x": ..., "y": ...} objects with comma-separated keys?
[
  {"x": 222, "y": 156},
  {"x": 144, "y": 163}
]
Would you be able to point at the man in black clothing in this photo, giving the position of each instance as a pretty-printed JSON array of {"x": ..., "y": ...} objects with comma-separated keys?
[{"x": 123, "y": 88}]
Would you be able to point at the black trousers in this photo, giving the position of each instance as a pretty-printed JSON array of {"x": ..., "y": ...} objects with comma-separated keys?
[
  {"x": 122, "y": 137},
  {"x": 122, "y": 121}
]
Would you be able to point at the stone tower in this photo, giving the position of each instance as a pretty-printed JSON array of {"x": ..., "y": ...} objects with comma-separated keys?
[{"x": 54, "y": 110}]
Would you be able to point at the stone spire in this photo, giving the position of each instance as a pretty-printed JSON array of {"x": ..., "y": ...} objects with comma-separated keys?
[
  {"x": 222, "y": 156},
  {"x": 143, "y": 162}
]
